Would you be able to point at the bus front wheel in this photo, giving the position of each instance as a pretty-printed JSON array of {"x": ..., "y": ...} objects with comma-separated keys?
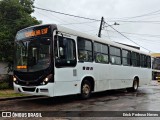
[{"x": 85, "y": 89}]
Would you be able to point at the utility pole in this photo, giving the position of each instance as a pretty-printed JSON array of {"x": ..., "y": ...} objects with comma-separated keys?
[{"x": 100, "y": 28}]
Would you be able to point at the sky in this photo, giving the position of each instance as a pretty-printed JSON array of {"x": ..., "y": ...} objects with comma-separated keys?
[{"x": 138, "y": 20}]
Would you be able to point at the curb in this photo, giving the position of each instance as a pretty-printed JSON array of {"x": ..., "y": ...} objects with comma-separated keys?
[{"x": 18, "y": 98}]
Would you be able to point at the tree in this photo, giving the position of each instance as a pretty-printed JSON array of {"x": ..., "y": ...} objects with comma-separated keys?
[{"x": 14, "y": 15}]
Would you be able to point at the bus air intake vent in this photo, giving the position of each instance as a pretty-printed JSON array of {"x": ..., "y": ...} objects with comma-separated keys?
[
  {"x": 44, "y": 90},
  {"x": 28, "y": 89}
]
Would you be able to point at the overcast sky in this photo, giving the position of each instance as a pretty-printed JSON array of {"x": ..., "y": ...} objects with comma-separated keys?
[{"x": 124, "y": 12}]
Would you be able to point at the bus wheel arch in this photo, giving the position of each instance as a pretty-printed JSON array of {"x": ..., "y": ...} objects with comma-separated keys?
[
  {"x": 87, "y": 86},
  {"x": 137, "y": 79}
]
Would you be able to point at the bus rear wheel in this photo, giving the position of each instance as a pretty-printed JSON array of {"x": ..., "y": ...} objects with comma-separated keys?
[
  {"x": 85, "y": 89},
  {"x": 134, "y": 87}
]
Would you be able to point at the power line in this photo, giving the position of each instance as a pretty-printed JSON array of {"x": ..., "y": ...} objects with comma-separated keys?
[
  {"x": 147, "y": 14},
  {"x": 45, "y": 15},
  {"x": 142, "y": 15},
  {"x": 139, "y": 39},
  {"x": 136, "y": 38},
  {"x": 153, "y": 22},
  {"x": 79, "y": 23},
  {"x": 145, "y": 35},
  {"x": 147, "y": 42},
  {"x": 127, "y": 37},
  {"x": 65, "y": 14},
  {"x": 58, "y": 19},
  {"x": 96, "y": 20}
]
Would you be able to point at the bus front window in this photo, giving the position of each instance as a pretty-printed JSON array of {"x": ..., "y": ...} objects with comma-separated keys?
[{"x": 32, "y": 55}]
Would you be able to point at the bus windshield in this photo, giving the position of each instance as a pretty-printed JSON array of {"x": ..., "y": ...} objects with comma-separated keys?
[{"x": 32, "y": 55}]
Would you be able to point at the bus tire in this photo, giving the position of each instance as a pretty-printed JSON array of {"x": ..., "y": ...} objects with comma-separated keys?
[
  {"x": 134, "y": 87},
  {"x": 85, "y": 89}
]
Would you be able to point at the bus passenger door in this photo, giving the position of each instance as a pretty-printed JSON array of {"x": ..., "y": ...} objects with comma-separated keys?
[{"x": 65, "y": 65}]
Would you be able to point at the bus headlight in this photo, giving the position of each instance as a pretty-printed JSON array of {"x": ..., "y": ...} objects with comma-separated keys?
[
  {"x": 45, "y": 81},
  {"x": 14, "y": 79}
]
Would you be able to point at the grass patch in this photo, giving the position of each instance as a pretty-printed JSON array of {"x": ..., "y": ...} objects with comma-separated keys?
[{"x": 10, "y": 93}]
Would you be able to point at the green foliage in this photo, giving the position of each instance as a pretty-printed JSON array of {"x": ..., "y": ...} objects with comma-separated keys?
[
  {"x": 4, "y": 85},
  {"x": 14, "y": 15},
  {"x": 27, "y": 5}
]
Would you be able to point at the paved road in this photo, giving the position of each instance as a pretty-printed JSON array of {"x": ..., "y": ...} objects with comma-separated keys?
[{"x": 146, "y": 99}]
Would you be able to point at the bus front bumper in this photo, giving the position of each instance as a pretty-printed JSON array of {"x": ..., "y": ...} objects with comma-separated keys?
[{"x": 45, "y": 90}]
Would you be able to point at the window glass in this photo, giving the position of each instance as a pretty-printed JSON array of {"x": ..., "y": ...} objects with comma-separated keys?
[
  {"x": 115, "y": 51},
  {"x": 115, "y": 55},
  {"x": 33, "y": 55},
  {"x": 126, "y": 53},
  {"x": 97, "y": 47},
  {"x": 126, "y": 61},
  {"x": 145, "y": 61},
  {"x": 138, "y": 59},
  {"x": 65, "y": 52},
  {"x": 101, "y": 58},
  {"x": 101, "y": 53},
  {"x": 85, "y": 50},
  {"x": 135, "y": 59},
  {"x": 142, "y": 60},
  {"x": 126, "y": 57},
  {"x": 115, "y": 60},
  {"x": 104, "y": 49},
  {"x": 148, "y": 61}
]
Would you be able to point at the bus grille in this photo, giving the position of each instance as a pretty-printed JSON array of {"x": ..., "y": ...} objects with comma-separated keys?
[{"x": 28, "y": 89}]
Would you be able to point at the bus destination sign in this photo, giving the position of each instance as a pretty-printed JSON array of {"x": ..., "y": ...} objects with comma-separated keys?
[
  {"x": 36, "y": 32},
  {"x": 33, "y": 32}
]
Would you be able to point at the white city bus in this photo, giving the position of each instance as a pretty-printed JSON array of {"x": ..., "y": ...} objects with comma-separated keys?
[{"x": 52, "y": 60}]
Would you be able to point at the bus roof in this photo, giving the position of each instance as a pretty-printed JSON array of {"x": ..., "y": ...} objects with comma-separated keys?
[{"x": 97, "y": 39}]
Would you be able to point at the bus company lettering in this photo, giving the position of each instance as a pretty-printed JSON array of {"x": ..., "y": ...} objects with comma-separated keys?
[{"x": 87, "y": 68}]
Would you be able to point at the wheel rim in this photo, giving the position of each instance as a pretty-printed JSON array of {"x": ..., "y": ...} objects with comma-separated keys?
[
  {"x": 135, "y": 85},
  {"x": 86, "y": 89}
]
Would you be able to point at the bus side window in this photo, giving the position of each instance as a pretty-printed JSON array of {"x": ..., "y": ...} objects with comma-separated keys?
[
  {"x": 65, "y": 52},
  {"x": 135, "y": 59},
  {"x": 148, "y": 61},
  {"x": 113, "y": 60},
  {"x": 126, "y": 57},
  {"x": 101, "y": 53},
  {"x": 85, "y": 50},
  {"x": 115, "y": 55},
  {"x": 83, "y": 55}
]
